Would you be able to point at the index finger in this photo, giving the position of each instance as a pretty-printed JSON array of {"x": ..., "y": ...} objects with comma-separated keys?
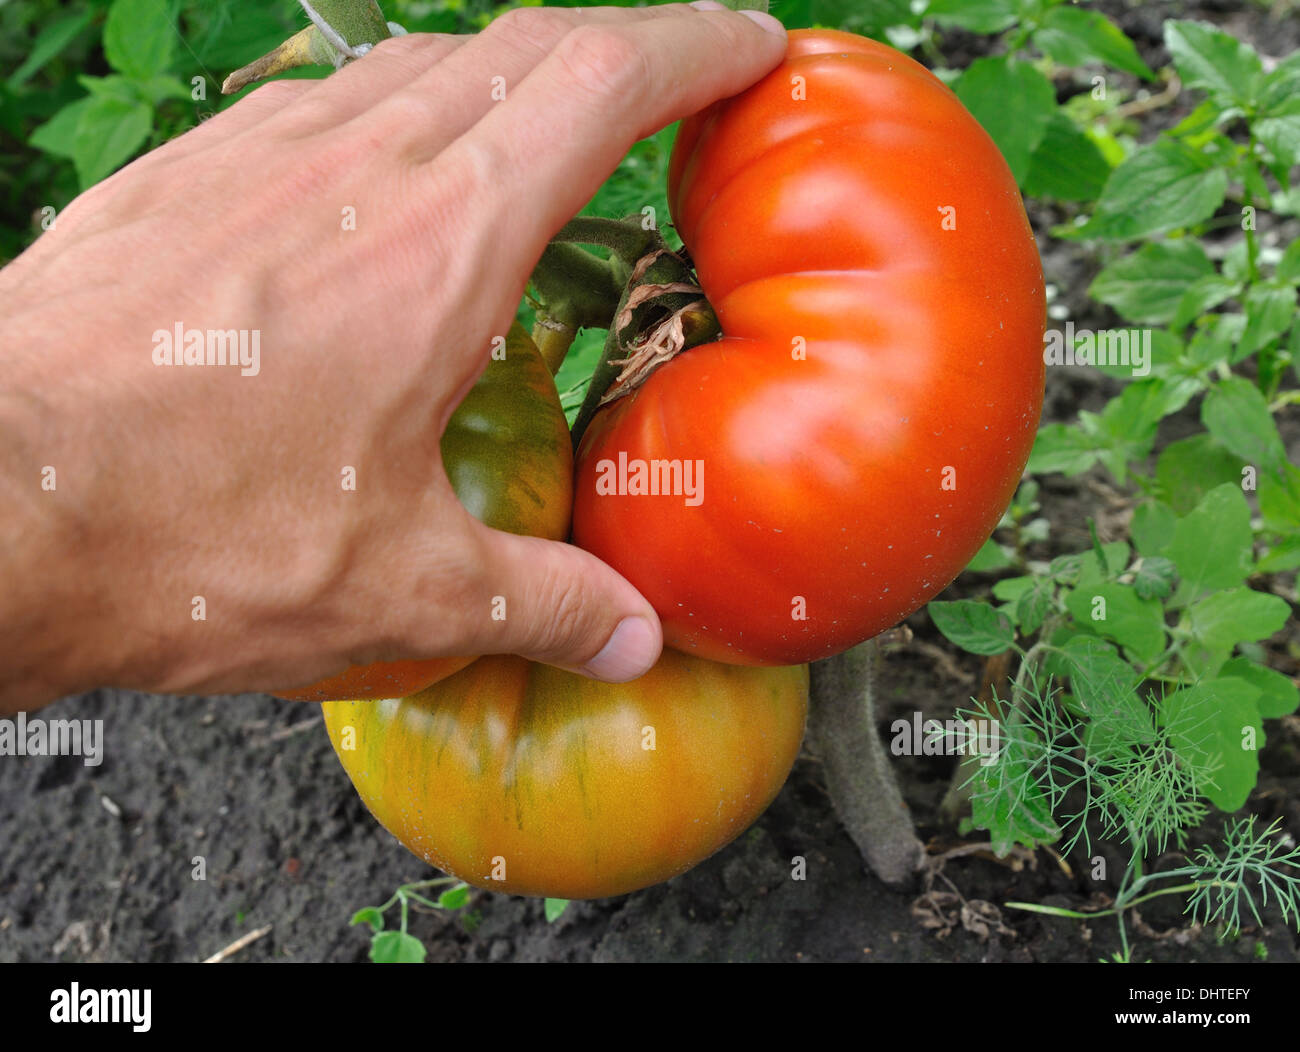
[{"x": 561, "y": 132}]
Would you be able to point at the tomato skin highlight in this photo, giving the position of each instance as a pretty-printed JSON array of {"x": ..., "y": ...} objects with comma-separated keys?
[
  {"x": 544, "y": 776},
  {"x": 508, "y": 455},
  {"x": 867, "y": 415}
]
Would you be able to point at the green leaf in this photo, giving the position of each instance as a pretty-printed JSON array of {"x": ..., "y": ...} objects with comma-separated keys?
[
  {"x": 49, "y": 44},
  {"x": 1283, "y": 556},
  {"x": 1210, "y": 726},
  {"x": 1236, "y": 615},
  {"x": 1203, "y": 294},
  {"x": 396, "y": 947},
  {"x": 1008, "y": 801},
  {"x": 1280, "y": 135},
  {"x": 454, "y": 898},
  {"x": 1116, "y": 612},
  {"x": 1237, "y": 415},
  {"x": 1278, "y": 695},
  {"x": 1189, "y": 469},
  {"x": 369, "y": 915},
  {"x": 1149, "y": 284},
  {"x": 555, "y": 909},
  {"x": 974, "y": 626},
  {"x": 1013, "y": 101},
  {"x": 1213, "y": 544},
  {"x": 1103, "y": 684},
  {"x": 1154, "y": 578},
  {"x": 139, "y": 37},
  {"x": 1269, "y": 313},
  {"x": 1072, "y": 36},
  {"x": 979, "y": 16},
  {"x": 1152, "y": 527},
  {"x": 1215, "y": 340},
  {"x": 992, "y": 556},
  {"x": 1208, "y": 58},
  {"x": 110, "y": 132},
  {"x": 1009, "y": 589},
  {"x": 1066, "y": 164},
  {"x": 1288, "y": 267},
  {"x": 1161, "y": 186},
  {"x": 1279, "y": 499},
  {"x": 58, "y": 135},
  {"x": 1032, "y": 607},
  {"x": 1061, "y": 447},
  {"x": 1125, "y": 430}
]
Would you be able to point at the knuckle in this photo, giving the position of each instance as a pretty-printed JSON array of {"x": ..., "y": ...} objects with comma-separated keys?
[
  {"x": 602, "y": 61},
  {"x": 560, "y": 605},
  {"x": 530, "y": 28},
  {"x": 409, "y": 111},
  {"x": 405, "y": 48}
]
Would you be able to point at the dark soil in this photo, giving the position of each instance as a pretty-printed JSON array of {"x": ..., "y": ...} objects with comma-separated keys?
[{"x": 98, "y": 863}]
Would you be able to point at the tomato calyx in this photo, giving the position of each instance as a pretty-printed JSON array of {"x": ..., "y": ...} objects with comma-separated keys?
[{"x": 661, "y": 312}]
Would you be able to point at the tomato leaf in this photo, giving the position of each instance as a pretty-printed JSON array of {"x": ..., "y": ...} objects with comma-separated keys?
[
  {"x": 555, "y": 909},
  {"x": 49, "y": 44},
  {"x": 1212, "y": 545},
  {"x": 1215, "y": 728},
  {"x": 1013, "y": 101},
  {"x": 1072, "y": 36},
  {"x": 1237, "y": 415},
  {"x": 1060, "y": 447},
  {"x": 1190, "y": 468},
  {"x": 139, "y": 37},
  {"x": 1163, "y": 185},
  {"x": 1279, "y": 499},
  {"x": 1148, "y": 285},
  {"x": 1117, "y": 612},
  {"x": 974, "y": 626},
  {"x": 1207, "y": 57},
  {"x": 979, "y": 16},
  {"x": 109, "y": 132},
  {"x": 1066, "y": 164},
  {"x": 1278, "y": 695},
  {"x": 1269, "y": 313}
]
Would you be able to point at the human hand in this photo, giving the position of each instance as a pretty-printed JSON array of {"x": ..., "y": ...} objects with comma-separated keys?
[{"x": 175, "y": 483}]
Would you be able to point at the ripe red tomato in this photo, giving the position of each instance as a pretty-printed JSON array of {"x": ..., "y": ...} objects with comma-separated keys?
[
  {"x": 509, "y": 458},
  {"x": 864, "y": 421},
  {"x": 526, "y": 779}
]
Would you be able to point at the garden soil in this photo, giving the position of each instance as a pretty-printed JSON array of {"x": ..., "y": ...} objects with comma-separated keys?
[{"x": 99, "y": 863}]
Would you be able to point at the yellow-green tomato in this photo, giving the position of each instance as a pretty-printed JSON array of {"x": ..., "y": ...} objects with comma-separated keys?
[{"x": 521, "y": 778}]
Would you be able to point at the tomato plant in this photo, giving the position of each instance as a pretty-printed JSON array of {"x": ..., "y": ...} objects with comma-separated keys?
[
  {"x": 527, "y": 779},
  {"x": 865, "y": 418},
  {"x": 507, "y": 453}
]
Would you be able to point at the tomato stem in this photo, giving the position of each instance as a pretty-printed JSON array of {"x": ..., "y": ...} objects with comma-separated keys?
[
  {"x": 357, "y": 25},
  {"x": 858, "y": 776},
  {"x": 661, "y": 285},
  {"x": 576, "y": 290}
]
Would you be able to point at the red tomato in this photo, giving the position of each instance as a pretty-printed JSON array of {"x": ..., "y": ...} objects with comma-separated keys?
[{"x": 864, "y": 421}]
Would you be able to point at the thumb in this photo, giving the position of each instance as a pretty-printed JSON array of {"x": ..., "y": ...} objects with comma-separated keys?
[{"x": 557, "y": 604}]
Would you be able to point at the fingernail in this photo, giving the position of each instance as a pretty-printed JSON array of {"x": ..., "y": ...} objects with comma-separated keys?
[
  {"x": 630, "y": 652},
  {"x": 708, "y": 5},
  {"x": 765, "y": 20}
]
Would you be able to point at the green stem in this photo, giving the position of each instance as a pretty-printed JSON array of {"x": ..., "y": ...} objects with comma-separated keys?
[{"x": 627, "y": 239}]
